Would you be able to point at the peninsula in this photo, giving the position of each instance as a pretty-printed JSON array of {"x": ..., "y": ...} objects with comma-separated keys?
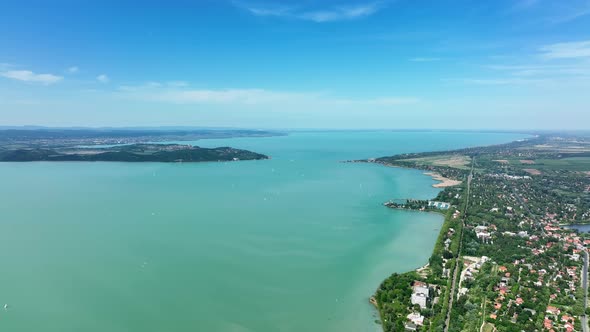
[
  {"x": 502, "y": 260},
  {"x": 129, "y": 145},
  {"x": 132, "y": 153}
]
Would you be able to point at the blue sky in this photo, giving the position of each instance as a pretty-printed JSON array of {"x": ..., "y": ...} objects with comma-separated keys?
[{"x": 520, "y": 64}]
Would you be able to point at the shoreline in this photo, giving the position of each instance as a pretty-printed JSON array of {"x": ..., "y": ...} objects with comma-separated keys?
[
  {"x": 444, "y": 182},
  {"x": 422, "y": 268}
]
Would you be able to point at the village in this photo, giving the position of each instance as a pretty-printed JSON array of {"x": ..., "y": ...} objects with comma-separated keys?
[{"x": 519, "y": 266}]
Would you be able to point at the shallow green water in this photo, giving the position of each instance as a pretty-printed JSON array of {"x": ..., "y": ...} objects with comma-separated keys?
[{"x": 296, "y": 243}]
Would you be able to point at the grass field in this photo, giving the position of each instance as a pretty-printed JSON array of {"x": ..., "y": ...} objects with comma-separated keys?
[
  {"x": 581, "y": 164},
  {"x": 488, "y": 327}
]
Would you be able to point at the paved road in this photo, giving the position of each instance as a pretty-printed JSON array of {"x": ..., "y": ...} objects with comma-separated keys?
[
  {"x": 584, "y": 318},
  {"x": 457, "y": 268}
]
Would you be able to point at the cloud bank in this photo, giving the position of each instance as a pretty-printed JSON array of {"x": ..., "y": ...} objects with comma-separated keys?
[{"x": 29, "y": 76}]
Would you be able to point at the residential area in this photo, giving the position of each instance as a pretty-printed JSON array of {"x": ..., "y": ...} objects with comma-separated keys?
[{"x": 509, "y": 256}]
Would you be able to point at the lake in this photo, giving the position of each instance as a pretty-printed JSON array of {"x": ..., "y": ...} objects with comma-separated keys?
[{"x": 295, "y": 243}]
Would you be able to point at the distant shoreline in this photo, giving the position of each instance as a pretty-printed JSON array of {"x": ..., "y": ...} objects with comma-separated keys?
[{"x": 134, "y": 153}]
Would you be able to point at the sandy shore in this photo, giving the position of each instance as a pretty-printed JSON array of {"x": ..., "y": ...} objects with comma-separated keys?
[{"x": 444, "y": 182}]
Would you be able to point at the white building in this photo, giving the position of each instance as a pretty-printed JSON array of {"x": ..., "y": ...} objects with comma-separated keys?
[
  {"x": 416, "y": 318},
  {"x": 420, "y": 299},
  {"x": 439, "y": 205},
  {"x": 420, "y": 294}
]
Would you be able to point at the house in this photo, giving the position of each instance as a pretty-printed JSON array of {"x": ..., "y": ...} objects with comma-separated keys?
[
  {"x": 463, "y": 291},
  {"x": 439, "y": 205},
  {"x": 420, "y": 299},
  {"x": 553, "y": 310},
  {"x": 447, "y": 243},
  {"x": 420, "y": 287},
  {"x": 547, "y": 323},
  {"x": 416, "y": 318},
  {"x": 420, "y": 294},
  {"x": 411, "y": 327}
]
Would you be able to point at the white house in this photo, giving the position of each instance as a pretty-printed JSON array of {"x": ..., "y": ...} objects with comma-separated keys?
[
  {"x": 416, "y": 318},
  {"x": 420, "y": 299}
]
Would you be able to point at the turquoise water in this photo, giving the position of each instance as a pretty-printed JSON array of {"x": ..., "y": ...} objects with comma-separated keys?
[{"x": 295, "y": 243}]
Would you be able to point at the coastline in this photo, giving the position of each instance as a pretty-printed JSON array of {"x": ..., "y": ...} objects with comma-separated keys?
[
  {"x": 438, "y": 245},
  {"x": 444, "y": 182},
  {"x": 449, "y": 221},
  {"x": 444, "y": 228}
]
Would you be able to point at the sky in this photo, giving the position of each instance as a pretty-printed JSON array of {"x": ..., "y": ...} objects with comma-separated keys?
[{"x": 399, "y": 64}]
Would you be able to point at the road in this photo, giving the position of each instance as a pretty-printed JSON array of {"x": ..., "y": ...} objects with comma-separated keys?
[
  {"x": 483, "y": 318},
  {"x": 584, "y": 318},
  {"x": 457, "y": 267}
]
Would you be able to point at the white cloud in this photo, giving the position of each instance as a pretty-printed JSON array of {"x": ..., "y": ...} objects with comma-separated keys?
[
  {"x": 73, "y": 70},
  {"x": 29, "y": 76},
  {"x": 166, "y": 93},
  {"x": 332, "y": 14},
  {"x": 266, "y": 10},
  {"x": 561, "y": 63},
  {"x": 341, "y": 13},
  {"x": 547, "y": 70},
  {"x": 181, "y": 95},
  {"x": 102, "y": 78},
  {"x": 580, "y": 49}
]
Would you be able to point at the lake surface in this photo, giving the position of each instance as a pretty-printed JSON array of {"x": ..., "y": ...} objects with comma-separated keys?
[
  {"x": 295, "y": 243},
  {"x": 582, "y": 228}
]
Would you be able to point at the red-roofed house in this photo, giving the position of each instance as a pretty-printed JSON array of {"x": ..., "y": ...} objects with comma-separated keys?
[
  {"x": 547, "y": 323},
  {"x": 553, "y": 310}
]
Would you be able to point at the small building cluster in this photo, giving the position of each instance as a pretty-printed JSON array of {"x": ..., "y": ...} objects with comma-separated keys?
[
  {"x": 439, "y": 205},
  {"x": 421, "y": 296}
]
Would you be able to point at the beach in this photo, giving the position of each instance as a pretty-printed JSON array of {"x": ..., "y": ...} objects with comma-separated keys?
[{"x": 444, "y": 182}]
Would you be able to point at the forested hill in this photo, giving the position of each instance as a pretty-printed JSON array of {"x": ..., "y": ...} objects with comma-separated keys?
[{"x": 132, "y": 153}]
